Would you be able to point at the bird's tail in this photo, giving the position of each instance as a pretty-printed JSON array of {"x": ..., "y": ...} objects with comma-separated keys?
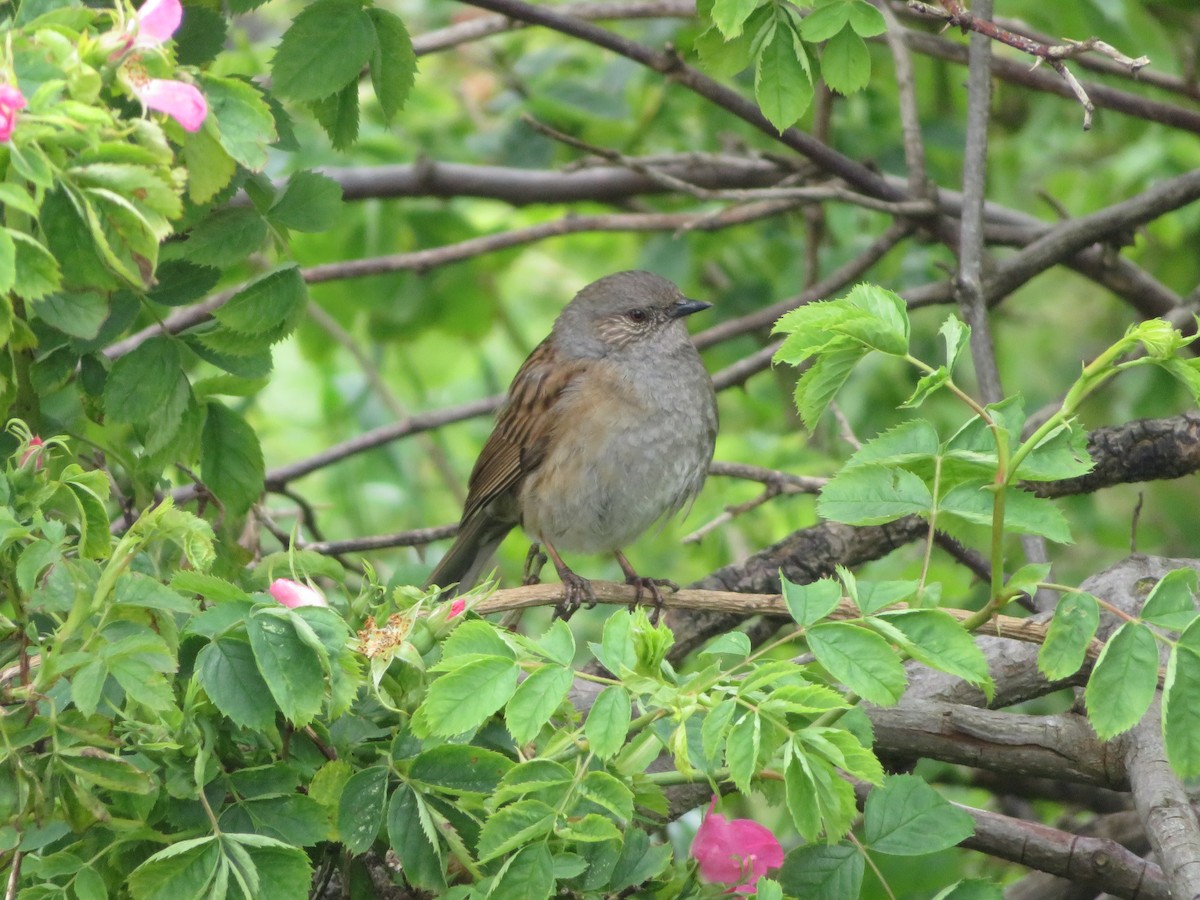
[{"x": 470, "y": 554}]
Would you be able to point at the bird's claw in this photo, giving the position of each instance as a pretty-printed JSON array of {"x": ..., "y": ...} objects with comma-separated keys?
[
  {"x": 641, "y": 584},
  {"x": 577, "y": 592},
  {"x": 534, "y": 561}
]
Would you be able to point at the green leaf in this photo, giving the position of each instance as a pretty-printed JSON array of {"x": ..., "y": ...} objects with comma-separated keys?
[
  {"x": 1061, "y": 454},
  {"x": 782, "y": 81},
  {"x": 527, "y": 876},
  {"x": 875, "y": 595},
  {"x": 607, "y": 724},
  {"x": 136, "y": 589},
  {"x": 867, "y": 21},
  {"x": 845, "y": 62},
  {"x": 181, "y": 282},
  {"x": 420, "y": 855},
  {"x": 809, "y": 603},
  {"x": 362, "y": 807},
  {"x": 143, "y": 381},
  {"x": 1123, "y": 681},
  {"x": 723, "y": 58},
  {"x": 741, "y": 750},
  {"x": 143, "y": 186},
  {"x": 225, "y": 237},
  {"x": 609, "y": 793},
  {"x": 105, "y": 770},
  {"x": 286, "y": 869},
  {"x": 187, "y": 869},
  {"x": 326, "y": 47},
  {"x": 817, "y": 387},
  {"x": 1071, "y": 631},
  {"x": 860, "y": 659},
  {"x": 971, "y": 889},
  {"x": 293, "y": 818},
  {"x": 460, "y": 768},
  {"x": 264, "y": 304},
  {"x": 8, "y": 257},
  {"x": 829, "y": 18},
  {"x": 821, "y": 872},
  {"x": 906, "y": 817},
  {"x": 513, "y": 826},
  {"x": 558, "y": 643},
  {"x": 1181, "y": 714},
  {"x": 534, "y": 775},
  {"x": 462, "y": 700},
  {"x": 731, "y": 643},
  {"x": 616, "y": 651},
  {"x": 231, "y": 461},
  {"x": 78, "y": 313},
  {"x": 910, "y": 442},
  {"x": 535, "y": 701},
  {"x": 591, "y": 828},
  {"x": 227, "y": 672},
  {"x": 309, "y": 202},
  {"x": 338, "y": 115},
  {"x": 393, "y": 64},
  {"x": 872, "y": 495},
  {"x": 210, "y": 168},
  {"x": 730, "y": 15},
  {"x": 936, "y": 639},
  {"x": 36, "y": 272},
  {"x": 474, "y": 638},
  {"x": 290, "y": 665},
  {"x": 768, "y": 889},
  {"x": 1172, "y": 603},
  {"x": 1025, "y": 513},
  {"x": 244, "y": 122}
]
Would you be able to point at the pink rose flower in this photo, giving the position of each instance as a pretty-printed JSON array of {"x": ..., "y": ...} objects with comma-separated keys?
[
  {"x": 11, "y": 100},
  {"x": 158, "y": 20},
  {"x": 292, "y": 594},
  {"x": 735, "y": 852},
  {"x": 182, "y": 102},
  {"x": 456, "y": 608}
]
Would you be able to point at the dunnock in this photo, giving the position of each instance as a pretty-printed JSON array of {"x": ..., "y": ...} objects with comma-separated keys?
[{"x": 608, "y": 426}]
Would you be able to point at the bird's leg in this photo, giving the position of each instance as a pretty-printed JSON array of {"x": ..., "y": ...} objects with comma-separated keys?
[
  {"x": 534, "y": 561},
  {"x": 641, "y": 583},
  {"x": 577, "y": 590}
]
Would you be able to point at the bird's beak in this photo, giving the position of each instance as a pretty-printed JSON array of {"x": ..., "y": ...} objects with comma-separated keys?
[{"x": 685, "y": 306}]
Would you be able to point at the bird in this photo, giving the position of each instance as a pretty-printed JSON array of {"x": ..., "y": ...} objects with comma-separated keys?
[{"x": 608, "y": 427}]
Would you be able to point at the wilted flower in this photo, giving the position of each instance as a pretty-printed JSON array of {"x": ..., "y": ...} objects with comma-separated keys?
[
  {"x": 736, "y": 852},
  {"x": 292, "y": 594},
  {"x": 11, "y": 100},
  {"x": 181, "y": 101},
  {"x": 157, "y": 20},
  {"x": 33, "y": 450},
  {"x": 456, "y": 608}
]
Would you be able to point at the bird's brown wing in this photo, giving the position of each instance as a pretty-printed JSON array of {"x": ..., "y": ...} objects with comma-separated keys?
[{"x": 523, "y": 429}]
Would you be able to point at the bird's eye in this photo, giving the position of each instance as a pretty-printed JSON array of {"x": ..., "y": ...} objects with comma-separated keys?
[{"x": 637, "y": 315}]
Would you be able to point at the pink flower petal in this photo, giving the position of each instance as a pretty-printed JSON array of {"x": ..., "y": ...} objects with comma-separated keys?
[
  {"x": 182, "y": 102},
  {"x": 11, "y": 100},
  {"x": 292, "y": 594},
  {"x": 33, "y": 451},
  {"x": 735, "y": 852},
  {"x": 456, "y": 608},
  {"x": 158, "y": 20}
]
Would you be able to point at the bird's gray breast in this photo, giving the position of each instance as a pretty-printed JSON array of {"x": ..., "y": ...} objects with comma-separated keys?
[{"x": 630, "y": 448}]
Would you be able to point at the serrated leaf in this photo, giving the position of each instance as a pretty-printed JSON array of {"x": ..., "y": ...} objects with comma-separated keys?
[
  {"x": 1071, "y": 631},
  {"x": 816, "y": 871},
  {"x": 362, "y": 807},
  {"x": 845, "y": 62},
  {"x": 210, "y": 168},
  {"x": 419, "y": 853},
  {"x": 36, "y": 273},
  {"x": 309, "y": 202},
  {"x": 245, "y": 124},
  {"x": 1181, "y": 715},
  {"x": 535, "y": 700},
  {"x": 1123, "y": 681},
  {"x": 1172, "y": 602},
  {"x": 1024, "y": 513},
  {"x": 225, "y": 237},
  {"x": 907, "y": 817},
  {"x": 873, "y": 495},
  {"x": 231, "y": 461},
  {"x": 859, "y": 659},
  {"x": 730, "y": 15},
  {"x": 782, "y": 81},
  {"x": 326, "y": 47},
  {"x": 513, "y": 826},
  {"x": 817, "y": 387},
  {"x": 462, "y": 700},
  {"x": 910, "y": 442},
  {"x": 338, "y": 115},
  {"x": 741, "y": 750},
  {"x": 393, "y": 64},
  {"x": 263, "y": 305},
  {"x": 866, "y": 20},
  {"x": 143, "y": 381},
  {"x": 936, "y": 638},
  {"x": 291, "y": 667},
  {"x": 809, "y": 603},
  {"x": 829, "y": 18},
  {"x": 227, "y": 672},
  {"x": 607, "y": 724},
  {"x": 529, "y": 875},
  {"x": 1061, "y": 454},
  {"x": 459, "y": 768}
]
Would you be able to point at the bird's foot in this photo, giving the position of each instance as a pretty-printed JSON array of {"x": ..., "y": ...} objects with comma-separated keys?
[
  {"x": 534, "y": 561},
  {"x": 641, "y": 584},
  {"x": 577, "y": 592}
]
